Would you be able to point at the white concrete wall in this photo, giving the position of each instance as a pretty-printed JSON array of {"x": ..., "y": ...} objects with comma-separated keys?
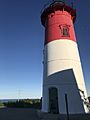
[{"x": 60, "y": 55}]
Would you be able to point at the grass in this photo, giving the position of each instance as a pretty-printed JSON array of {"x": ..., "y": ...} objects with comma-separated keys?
[{"x": 2, "y": 105}]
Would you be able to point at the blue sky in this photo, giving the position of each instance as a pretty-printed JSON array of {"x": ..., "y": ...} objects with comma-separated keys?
[{"x": 21, "y": 46}]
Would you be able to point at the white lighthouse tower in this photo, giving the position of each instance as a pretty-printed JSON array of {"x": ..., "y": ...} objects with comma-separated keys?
[{"x": 62, "y": 77}]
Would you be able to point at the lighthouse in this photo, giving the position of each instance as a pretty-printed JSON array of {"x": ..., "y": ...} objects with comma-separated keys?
[{"x": 63, "y": 81}]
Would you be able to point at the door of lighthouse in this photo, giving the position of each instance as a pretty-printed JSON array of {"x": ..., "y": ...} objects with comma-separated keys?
[{"x": 53, "y": 100}]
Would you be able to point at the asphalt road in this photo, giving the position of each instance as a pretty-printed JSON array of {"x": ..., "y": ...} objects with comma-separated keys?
[
  {"x": 18, "y": 114},
  {"x": 32, "y": 114}
]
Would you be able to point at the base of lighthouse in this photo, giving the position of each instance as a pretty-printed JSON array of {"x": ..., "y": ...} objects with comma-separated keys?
[
  {"x": 54, "y": 94},
  {"x": 63, "y": 77}
]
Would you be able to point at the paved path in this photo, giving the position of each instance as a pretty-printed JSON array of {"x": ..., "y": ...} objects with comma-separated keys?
[
  {"x": 47, "y": 116},
  {"x": 18, "y": 114},
  {"x": 31, "y": 114}
]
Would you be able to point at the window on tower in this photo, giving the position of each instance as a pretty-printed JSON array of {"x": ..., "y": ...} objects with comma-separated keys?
[{"x": 64, "y": 31}]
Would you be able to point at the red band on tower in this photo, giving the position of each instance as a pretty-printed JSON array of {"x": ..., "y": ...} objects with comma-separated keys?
[{"x": 58, "y": 21}]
